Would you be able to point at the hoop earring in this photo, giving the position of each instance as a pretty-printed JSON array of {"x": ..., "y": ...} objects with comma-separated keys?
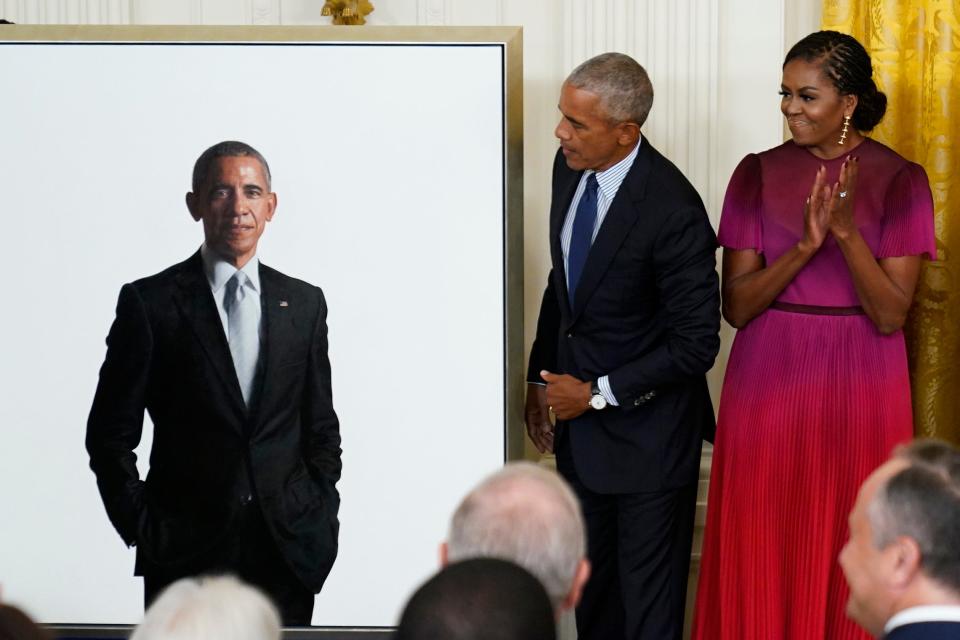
[{"x": 843, "y": 132}]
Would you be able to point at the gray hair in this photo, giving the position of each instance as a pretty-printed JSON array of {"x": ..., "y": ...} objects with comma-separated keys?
[
  {"x": 225, "y": 149},
  {"x": 527, "y": 515},
  {"x": 922, "y": 502},
  {"x": 205, "y": 608},
  {"x": 623, "y": 86}
]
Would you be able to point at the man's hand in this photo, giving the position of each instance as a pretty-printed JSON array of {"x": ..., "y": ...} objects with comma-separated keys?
[
  {"x": 567, "y": 397},
  {"x": 537, "y": 416}
]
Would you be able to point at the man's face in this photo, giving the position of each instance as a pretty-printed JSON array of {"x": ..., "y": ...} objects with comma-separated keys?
[
  {"x": 235, "y": 205},
  {"x": 868, "y": 569},
  {"x": 589, "y": 139}
]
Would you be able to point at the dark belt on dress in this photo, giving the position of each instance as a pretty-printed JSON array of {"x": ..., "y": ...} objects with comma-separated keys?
[{"x": 816, "y": 310}]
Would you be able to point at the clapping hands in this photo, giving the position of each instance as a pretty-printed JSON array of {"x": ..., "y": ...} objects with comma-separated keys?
[{"x": 829, "y": 208}]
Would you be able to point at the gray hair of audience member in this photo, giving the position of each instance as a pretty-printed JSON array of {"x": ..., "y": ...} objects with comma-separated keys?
[
  {"x": 225, "y": 149},
  {"x": 17, "y": 625},
  {"x": 207, "y": 608},
  {"x": 623, "y": 86},
  {"x": 527, "y": 515},
  {"x": 479, "y": 599},
  {"x": 922, "y": 502}
]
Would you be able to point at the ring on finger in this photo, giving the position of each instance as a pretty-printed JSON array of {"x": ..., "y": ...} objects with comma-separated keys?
[{"x": 842, "y": 194}]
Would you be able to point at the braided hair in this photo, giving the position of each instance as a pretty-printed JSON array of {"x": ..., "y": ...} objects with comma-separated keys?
[{"x": 847, "y": 64}]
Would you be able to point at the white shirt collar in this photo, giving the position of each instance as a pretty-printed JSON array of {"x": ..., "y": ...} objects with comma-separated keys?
[
  {"x": 926, "y": 613},
  {"x": 218, "y": 270},
  {"x": 610, "y": 179}
]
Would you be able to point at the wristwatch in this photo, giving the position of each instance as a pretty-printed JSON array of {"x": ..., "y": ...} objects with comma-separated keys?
[{"x": 597, "y": 401}]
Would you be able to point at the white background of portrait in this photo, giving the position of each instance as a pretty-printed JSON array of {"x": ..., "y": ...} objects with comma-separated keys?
[{"x": 390, "y": 199}]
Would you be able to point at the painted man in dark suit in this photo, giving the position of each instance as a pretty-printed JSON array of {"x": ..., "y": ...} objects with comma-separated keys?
[
  {"x": 628, "y": 328},
  {"x": 902, "y": 561},
  {"x": 229, "y": 357}
]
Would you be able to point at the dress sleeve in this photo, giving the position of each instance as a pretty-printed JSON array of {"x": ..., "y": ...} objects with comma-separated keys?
[
  {"x": 740, "y": 225},
  {"x": 907, "y": 228}
]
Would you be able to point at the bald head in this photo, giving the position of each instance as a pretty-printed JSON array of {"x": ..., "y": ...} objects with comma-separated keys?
[{"x": 527, "y": 515}]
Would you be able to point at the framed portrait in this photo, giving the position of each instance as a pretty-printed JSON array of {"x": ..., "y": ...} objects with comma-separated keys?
[{"x": 396, "y": 156}]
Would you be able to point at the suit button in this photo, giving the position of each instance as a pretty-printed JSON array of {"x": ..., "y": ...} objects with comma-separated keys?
[
  {"x": 247, "y": 499},
  {"x": 570, "y": 335},
  {"x": 638, "y": 402}
]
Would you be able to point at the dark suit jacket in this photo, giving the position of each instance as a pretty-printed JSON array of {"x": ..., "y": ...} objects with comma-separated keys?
[
  {"x": 926, "y": 631},
  {"x": 167, "y": 353},
  {"x": 647, "y": 314}
]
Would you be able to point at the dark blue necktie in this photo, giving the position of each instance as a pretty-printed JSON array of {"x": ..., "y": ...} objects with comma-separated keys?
[{"x": 582, "y": 236}]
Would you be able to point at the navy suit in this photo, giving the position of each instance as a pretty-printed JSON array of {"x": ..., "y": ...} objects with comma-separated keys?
[
  {"x": 646, "y": 314},
  {"x": 216, "y": 464}
]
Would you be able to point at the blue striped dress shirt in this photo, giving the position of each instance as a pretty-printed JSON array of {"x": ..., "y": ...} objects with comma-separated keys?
[{"x": 609, "y": 182}]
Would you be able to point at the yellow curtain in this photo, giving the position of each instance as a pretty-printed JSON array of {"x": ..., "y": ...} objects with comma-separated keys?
[{"x": 915, "y": 47}]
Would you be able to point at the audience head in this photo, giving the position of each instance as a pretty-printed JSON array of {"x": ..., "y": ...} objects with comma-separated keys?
[
  {"x": 479, "y": 599},
  {"x": 903, "y": 549},
  {"x": 847, "y": 65},
  {"x": 17, "y": 625},
  {"x": 527, "y": 515},
  {"x": 210, "y": 608}
]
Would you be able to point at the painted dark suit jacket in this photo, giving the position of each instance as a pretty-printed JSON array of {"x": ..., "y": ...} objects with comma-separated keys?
[
  {"x": 167, "y": 353},
  {"x": 646, "y": 313}
]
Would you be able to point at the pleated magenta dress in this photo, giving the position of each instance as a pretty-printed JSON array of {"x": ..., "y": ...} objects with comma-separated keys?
[{"x": 813, "y": 400}]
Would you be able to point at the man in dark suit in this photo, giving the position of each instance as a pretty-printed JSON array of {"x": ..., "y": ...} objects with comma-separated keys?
[
  {"x": 902, "y": 561},
  {"x": 628, "y": 328},
  {"x": 229, "y": 357}
]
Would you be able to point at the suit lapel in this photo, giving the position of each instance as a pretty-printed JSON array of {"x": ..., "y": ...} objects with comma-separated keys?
[
  {"x": 558, "y": 213},
  {"x": 195, "y": 301},
  {"x": 621, "y": 217}
]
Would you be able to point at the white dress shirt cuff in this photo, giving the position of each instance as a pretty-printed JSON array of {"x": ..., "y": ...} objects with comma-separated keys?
[{"x": 605, "y": 390}]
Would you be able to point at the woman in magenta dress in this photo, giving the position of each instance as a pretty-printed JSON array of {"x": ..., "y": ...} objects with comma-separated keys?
[{"x": 823, "y": 238}]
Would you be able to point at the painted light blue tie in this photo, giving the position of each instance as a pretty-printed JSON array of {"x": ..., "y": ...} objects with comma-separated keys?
[
  {"x": 243, "y": 333},
  {"x": 582, "y": 235}
]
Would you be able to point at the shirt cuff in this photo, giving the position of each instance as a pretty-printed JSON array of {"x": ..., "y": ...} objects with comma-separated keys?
[{"x": 606, "y": 391}]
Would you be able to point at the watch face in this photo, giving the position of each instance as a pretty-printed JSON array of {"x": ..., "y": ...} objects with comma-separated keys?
[{"x": 598, "y": 402}]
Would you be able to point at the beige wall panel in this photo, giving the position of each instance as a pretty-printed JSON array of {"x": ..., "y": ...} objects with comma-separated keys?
[
  {"x": 235, "y": 12},
  {"x": 474, "y": 13},
  {"x": 66, "y": 11},
  {"x": 168, "y": 11}
]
